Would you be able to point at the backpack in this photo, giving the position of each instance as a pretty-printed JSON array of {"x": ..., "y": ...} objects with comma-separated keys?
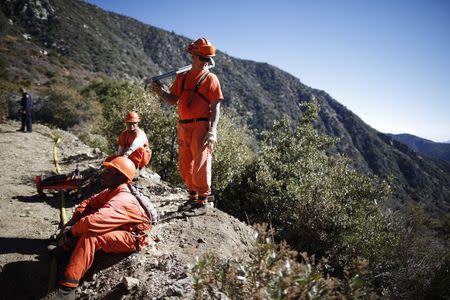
[{"x": 146, "y": 204}]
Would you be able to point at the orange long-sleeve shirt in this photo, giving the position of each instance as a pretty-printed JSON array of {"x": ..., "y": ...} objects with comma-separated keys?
[
  {"x": 200, "y": 108},
  {"x": 109, "y": 210}
]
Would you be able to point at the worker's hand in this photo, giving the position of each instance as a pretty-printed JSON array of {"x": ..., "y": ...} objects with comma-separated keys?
[
  {"x": 66, "y": 231},
  {"x": 66, "y": 239},
  {"x": 156, "y": 87},
  {"x": 210, "y": 139},
  {"x": 128, "y": 152},
  {"x": 71, "y": 222}
]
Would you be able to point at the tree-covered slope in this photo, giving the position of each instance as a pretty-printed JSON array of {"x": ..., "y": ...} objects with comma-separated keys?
[
  {"x": 43, "y": 39},
  {"x": 430, "y": 148}
]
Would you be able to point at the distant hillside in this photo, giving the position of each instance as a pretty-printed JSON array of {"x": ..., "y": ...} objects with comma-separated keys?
[
  {"x": 45, "y": 41},
  {"x": 430, "y": 148}
]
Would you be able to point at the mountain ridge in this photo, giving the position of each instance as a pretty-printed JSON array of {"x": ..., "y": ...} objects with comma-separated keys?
[
  {"x": 94, "y": 41},
  {"x": 428, "y": 147}
]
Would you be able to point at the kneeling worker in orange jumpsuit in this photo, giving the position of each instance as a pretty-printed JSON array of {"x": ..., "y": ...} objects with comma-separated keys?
[
  {"x": 112, "y": 220},
  {"x": 133, "y": 142},
  {"x": 198, "y": 95}
]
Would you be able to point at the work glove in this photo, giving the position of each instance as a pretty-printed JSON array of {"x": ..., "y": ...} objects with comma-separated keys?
[
  {"x": 128, "y": 153},
  {"x": 212, "y": 135},
  {"x": 66, "y": 239},
  {"x": 211, "y": 138},
  {"x": 157, "y": 87},
  {"x": 70, "y": 223}
]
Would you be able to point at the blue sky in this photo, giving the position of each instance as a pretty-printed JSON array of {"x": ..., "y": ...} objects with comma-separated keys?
[{"x": 387, "y": 61}]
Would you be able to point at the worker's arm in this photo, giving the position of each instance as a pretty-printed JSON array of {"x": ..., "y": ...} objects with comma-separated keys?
[
  {"x": 120, "y": 150},
  {"x": 90, "y": 205},
  {"x": 121, "y": 142},
  {"x": 211, "y": 137},
  {"x": 138, "y": 142},
  {"x": 167, "y": 97},
  {"x": 107, "y": 218},
  {"x": 215, "y": 115}
]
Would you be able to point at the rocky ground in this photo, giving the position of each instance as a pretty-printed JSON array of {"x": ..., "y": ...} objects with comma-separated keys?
[{"x": 159, "y": 271}]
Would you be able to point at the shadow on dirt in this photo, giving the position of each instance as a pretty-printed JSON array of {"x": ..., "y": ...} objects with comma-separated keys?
[
  {"x": 22, "y": 245},
  {"x": 104, "y": 260},
  {"x": 27, "y": 180},
  {"x": 24, "y": 279},
  {"x": 117, "y": 292},
  {"x": 30, "y": 279},
  {"x": 80, "y": 158},
  {"x": 53, "y": 199},
  {"x": 10, "y": 131}
]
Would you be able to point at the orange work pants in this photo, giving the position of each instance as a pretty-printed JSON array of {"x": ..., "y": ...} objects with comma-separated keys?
[
  {"x": 194, "y": 158},
  {"x": 83, "y": 255}
]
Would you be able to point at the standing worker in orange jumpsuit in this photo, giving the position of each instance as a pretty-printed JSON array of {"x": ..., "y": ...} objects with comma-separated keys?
[
  {"x": 112, "y": 220},
  {"x": 198, "y": 95},
  {"x": 133, "y": 142}
]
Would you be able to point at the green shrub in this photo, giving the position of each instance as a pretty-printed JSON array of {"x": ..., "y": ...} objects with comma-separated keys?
[
  {"x": 118, "y": 98},
  {"x": 65, "y": 107},
  {"x": 421, "y": 270},
  {"x": 4, "y": 66},
  {"x": 317, "y": 203},
  {"x": 232, "y": 153},
  {"x": 9, "y": 97},
  {"x": 275, "y": 272}
]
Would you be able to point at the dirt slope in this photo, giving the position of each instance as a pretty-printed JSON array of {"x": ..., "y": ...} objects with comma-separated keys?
[{"x": 27, "y": 221}]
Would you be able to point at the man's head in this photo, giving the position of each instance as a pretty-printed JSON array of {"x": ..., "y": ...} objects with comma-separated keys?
[
  {"x": 23, "y": 90},
  {"x": 199, "y": 61},
  {"x": 132, "y": 120},
  {"x": 202, "y": 48},
  {"x": 119, "y": 170}
]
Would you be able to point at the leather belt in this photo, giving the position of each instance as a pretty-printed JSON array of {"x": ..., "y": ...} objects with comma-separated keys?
[{"x": 193, "y": 120}]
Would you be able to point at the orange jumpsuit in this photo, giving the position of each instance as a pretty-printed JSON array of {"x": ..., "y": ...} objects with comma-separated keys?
[
  {"x": 194, "y": 158},
  {"x": 113, "y": 221},
  {"x": 138, "y": 141}
]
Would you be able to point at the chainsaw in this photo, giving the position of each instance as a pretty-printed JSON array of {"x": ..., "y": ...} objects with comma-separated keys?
[
  {"x": 75, "y": 181},
  {"x": 62, "y": 182}
]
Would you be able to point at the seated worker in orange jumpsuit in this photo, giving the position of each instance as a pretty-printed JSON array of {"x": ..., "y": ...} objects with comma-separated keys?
[
  {"x": 133, "y": 142},
  {"x": 112, "y": 220},
  {"x": 198, "y": 95}
]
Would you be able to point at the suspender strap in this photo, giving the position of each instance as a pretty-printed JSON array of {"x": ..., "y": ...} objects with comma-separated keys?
[
  {"x": 182, "y": 83},
  {"x": 204, "y": 75},
  {"x": 202, "y": 96}
]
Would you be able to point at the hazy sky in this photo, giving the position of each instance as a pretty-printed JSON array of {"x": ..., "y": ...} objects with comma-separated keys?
[{"x": 388, "y": 61}]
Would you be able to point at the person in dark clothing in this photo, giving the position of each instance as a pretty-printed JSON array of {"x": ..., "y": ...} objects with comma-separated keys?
[{"x": 26, "y": 104}]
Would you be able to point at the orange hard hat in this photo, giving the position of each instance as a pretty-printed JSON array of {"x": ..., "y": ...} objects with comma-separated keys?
[
  {"x": 201, "y": 47},
  {"x": 123, "y": 165},
  {"x": 132, "y": 117}
]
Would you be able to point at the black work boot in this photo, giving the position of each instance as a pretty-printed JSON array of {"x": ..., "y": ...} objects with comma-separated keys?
[
  {"x": 191, "y": 200},
  {"x": 62, "y": 293},
  {"x": 197, "y": 208}
]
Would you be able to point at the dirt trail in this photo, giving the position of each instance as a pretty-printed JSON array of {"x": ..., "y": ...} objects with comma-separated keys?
[
  {"x": 27, "y": 220},
  {"x": 162, "y": 269}
]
